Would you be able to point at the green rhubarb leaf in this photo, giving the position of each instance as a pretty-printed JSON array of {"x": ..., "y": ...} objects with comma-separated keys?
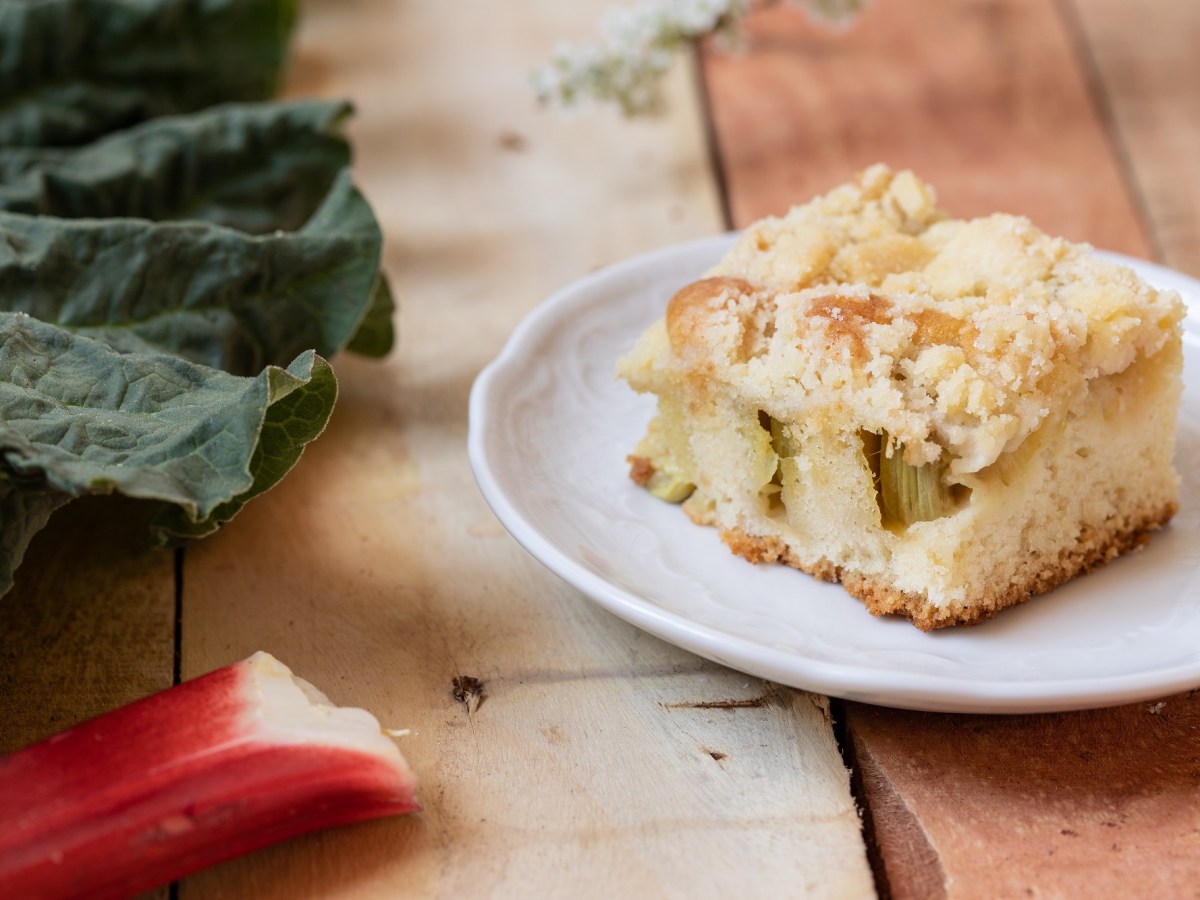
[
  {"x": 212, "y": 295},
  {"x": 16, "y": 162},
  {"x": 72, "y": 70},
  {"x": 256, "y": 167},
  {"x": 299, "y": 401},
  {"x": 79, "y": 418},
  {"x": 25, "y": 507},
  {"x": 376, "y": 334}
]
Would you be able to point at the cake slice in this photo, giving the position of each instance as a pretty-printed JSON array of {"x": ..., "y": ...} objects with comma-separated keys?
[{"x": 948, "y": 417}]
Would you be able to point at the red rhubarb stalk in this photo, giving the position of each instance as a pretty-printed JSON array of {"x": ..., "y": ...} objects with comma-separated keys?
[{"x": 210, "y": 769}]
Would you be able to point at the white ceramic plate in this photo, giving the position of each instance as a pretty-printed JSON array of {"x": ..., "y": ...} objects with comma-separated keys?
[{"x": 550, "y": 428}]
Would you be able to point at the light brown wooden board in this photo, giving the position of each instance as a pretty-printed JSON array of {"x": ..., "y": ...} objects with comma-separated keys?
[
  {"x": 592, "y": 765},
  {"x": 89, "y": 625},
  {"x": 991, "y": 102}
]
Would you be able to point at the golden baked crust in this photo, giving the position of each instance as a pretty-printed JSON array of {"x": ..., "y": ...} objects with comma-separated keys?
[
  {"x": 1092, "y": 549},
  {"x": 640, "y": 469}
]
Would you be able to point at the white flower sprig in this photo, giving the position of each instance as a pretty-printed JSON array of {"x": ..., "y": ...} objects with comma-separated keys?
[
  {"x": 835, "y": 12},
  {"x": 639, "y": 43},
  {"x": 636, "y": 49}
]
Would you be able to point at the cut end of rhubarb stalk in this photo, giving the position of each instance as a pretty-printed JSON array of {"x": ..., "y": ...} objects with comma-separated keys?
[
  {"x": 290, "y": 709},
  {"x": 213, "y": 768}
]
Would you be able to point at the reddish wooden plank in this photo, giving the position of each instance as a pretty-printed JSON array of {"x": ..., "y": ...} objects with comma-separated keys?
[
  {"x": 991, "y": 102},
  {"x": 984, "y": 99},
  {"x": 1099, "y": 803},
  {"x": 1152, "y": 86}
]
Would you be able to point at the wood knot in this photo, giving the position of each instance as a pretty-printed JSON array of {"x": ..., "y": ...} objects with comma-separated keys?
[{"x": 468, "y": 690}]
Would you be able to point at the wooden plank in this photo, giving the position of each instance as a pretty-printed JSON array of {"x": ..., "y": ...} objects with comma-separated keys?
[
  {"x": 990, "y": 102},
  {"x": 985, "y": 99},
  {"x": 593, "y": 763},
  {"x": 89, "y": 625},
  {"x": 1150, "y": 84},
  {"x": 1098, "y": 803}
]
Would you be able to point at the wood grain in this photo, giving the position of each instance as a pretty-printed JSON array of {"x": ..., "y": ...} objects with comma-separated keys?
[
  {"x": 991, "y": 102},
  {"x": 592, "y": 761},
  {"x": 984, "y": 99},
  {"x": 1104, "y": 803},
  {"x": 1149, "y": 72},
  {"x": 89, "y": 625}
]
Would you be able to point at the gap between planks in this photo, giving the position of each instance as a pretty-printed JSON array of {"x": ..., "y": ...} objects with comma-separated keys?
[{"x": 378, "y": 581}]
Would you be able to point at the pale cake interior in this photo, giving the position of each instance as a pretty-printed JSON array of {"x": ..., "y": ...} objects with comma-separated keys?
[{"x": 1040, "y": 383}]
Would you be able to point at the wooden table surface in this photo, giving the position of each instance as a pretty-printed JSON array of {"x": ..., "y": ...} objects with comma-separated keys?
[{"x": 600, "y": 761}]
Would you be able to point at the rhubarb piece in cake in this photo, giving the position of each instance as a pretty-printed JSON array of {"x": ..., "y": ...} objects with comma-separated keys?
[{"x": 948, "y": 417}]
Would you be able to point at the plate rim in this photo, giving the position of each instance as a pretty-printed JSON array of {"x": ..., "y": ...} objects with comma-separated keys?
[{"x": 907, "y": 690}]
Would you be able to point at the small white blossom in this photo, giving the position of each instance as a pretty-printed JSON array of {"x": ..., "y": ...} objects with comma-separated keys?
[
  {"x": 636, "y": 49},
  {"x": 638, "y": 45},
  {"x": 837, "y": 12}
]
